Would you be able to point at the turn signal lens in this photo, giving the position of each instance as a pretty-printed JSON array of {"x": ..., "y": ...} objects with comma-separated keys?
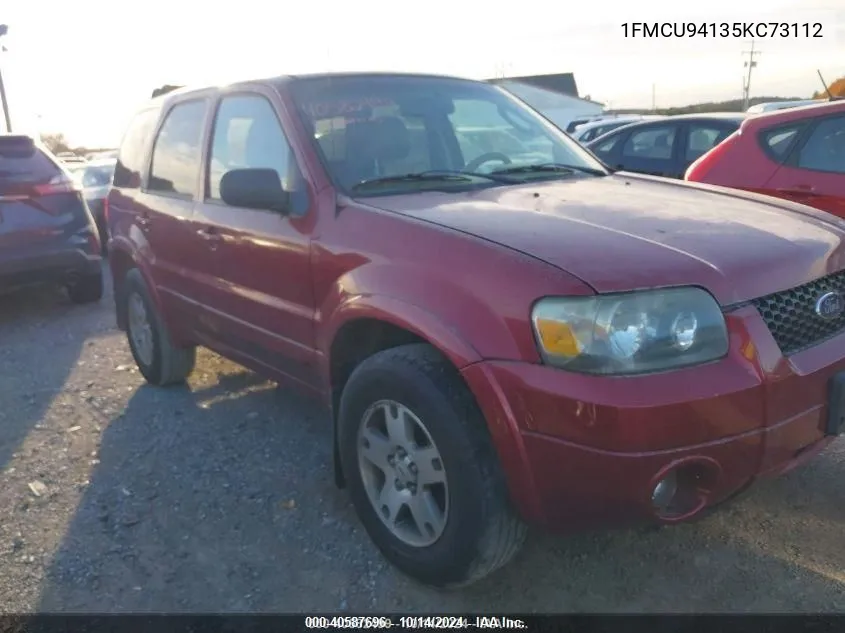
[{"x": 557, "y": 338}]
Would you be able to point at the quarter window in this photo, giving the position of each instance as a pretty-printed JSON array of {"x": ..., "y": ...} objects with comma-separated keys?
[
  {"x": 176, "y": 155},
  {"x": 778, "y": 141},
  {"x": 130, "y": 159}
]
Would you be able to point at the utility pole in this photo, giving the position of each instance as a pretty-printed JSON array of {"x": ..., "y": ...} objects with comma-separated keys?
[
  {"x": 750, "y": 64},
  {"x": 3, "y": 30}
]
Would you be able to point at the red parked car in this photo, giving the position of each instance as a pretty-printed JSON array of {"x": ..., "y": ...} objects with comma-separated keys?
[
  {"x": 797, "y": 154},
  {"x": 503, "y": 331}
]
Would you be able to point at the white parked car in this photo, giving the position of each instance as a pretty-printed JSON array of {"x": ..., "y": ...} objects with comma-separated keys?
[{"x": 780, "y": 105}]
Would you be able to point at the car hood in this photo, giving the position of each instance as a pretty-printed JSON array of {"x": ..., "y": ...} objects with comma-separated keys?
[{"x": 624, "y": 232}]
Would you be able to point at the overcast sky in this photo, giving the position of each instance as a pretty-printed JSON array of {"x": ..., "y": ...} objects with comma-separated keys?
[{"x": 82, "y": 67}]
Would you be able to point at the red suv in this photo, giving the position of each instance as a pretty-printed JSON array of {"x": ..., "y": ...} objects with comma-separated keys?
[
  {"x": 503, "y": 331},
  {"x": 797, "y": 154}
]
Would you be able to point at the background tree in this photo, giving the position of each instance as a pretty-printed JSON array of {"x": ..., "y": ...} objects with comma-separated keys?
[
  {"x": 837, "y": 89},
  {"x": 163, "y": 90},
  {"x": 56, "y": 142}
]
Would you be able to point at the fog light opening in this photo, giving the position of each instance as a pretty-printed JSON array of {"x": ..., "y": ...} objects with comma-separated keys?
[
  {"x": 664, "y": 493},
  {"x": 683, "y": 490}
]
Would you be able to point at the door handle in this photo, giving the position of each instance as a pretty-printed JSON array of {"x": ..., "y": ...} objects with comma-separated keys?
[
  {"x": 143, "y": 221},
  {"x": 210, "y": 235}
]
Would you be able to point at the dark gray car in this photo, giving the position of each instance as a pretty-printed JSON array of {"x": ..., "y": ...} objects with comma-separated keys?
[
  {"x": 664, "y": 147},
  {"x": 47, "y": 233}
]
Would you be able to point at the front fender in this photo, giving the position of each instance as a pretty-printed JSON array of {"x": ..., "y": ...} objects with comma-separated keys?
[
  {"x": 447, "y": 324},
  {"x": 405, "y": 315},
  {"x": 450, "y": 316}
]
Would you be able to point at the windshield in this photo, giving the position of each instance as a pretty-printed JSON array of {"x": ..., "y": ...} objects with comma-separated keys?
[{"x": 381, "y": 129}]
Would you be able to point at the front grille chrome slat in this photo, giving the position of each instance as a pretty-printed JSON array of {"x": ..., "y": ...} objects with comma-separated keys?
[{"x": 791, "y": 316}]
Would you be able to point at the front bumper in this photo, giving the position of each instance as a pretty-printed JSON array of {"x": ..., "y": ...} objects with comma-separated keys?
[{"x": 585, "y": 451}]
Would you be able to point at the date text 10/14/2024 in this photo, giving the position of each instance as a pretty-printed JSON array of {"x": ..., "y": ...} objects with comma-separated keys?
[
  {"x": 413, "y": 622},
  {"x": 747, "y": 30}
]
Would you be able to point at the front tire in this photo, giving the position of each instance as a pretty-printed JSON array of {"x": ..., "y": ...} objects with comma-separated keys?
[
  {"x": 158, "y": 359},
  {"x": 422, "y": 470}
]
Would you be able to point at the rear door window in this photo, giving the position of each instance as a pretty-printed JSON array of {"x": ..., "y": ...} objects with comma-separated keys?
[
  {"x": 176, "y": 159},
  {"x": 22, "y": 162},
  {"x": 130, "y": 160}
]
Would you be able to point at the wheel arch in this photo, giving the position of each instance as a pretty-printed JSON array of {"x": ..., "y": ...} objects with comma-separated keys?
[
  {"x": 122, "y": 259},
  {"x": 364, "y": 326}
]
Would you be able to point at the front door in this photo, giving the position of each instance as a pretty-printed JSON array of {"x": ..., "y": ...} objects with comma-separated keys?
[{"x": 262, "y": 308}]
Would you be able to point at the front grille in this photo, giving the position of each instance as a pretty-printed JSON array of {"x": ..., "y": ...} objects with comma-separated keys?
[{"x": 791, "y": 315}]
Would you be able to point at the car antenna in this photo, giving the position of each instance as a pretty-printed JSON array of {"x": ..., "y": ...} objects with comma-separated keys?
[{"x": 826, "y": 89}]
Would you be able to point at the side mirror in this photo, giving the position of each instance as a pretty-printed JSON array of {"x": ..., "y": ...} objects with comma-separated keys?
[{"x": 254, "y": 189}]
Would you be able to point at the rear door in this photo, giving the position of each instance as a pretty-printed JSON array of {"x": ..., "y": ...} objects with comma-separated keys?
[
  {"x": 176, "y": 254},
  {"x": 651, "y": 149},
  {"x": 262, "y": 307},
  {"x": 41, "y": 209},
  {"x": 814, "y": 172}
]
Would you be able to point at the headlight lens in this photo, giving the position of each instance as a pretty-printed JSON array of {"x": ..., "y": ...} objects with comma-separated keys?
[{"x": 631, "y": 333}]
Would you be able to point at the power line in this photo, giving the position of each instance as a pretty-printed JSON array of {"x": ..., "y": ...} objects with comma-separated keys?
[{"x": 750, "y": 65}]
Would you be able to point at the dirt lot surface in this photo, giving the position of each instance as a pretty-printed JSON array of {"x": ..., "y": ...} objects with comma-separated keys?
[{"x": 218, "y": 496}]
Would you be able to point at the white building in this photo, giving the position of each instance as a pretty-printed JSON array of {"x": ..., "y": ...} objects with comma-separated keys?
[{"x": 554, "y": 96}]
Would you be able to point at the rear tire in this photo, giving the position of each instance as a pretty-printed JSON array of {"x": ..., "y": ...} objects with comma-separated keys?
[
  {"x": 86, "y": 289},
  {"x": 472, "y": 529},
  {"x": 158, "y": 359}
]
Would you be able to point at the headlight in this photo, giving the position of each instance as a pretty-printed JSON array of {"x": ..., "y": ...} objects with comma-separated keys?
[{"x": 630, "y": 333}]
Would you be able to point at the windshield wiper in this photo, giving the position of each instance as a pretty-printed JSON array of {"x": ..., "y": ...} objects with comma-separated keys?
[
  {"x": 434, "y": 175},
  {"x": 549, "y": 168}
]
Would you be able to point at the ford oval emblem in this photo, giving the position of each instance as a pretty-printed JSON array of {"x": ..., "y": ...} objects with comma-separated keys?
[{"x": 830, "y": 305}]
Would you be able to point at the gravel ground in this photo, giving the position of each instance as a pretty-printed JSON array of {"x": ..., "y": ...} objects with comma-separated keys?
[{"x": 218, "y": 496}]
